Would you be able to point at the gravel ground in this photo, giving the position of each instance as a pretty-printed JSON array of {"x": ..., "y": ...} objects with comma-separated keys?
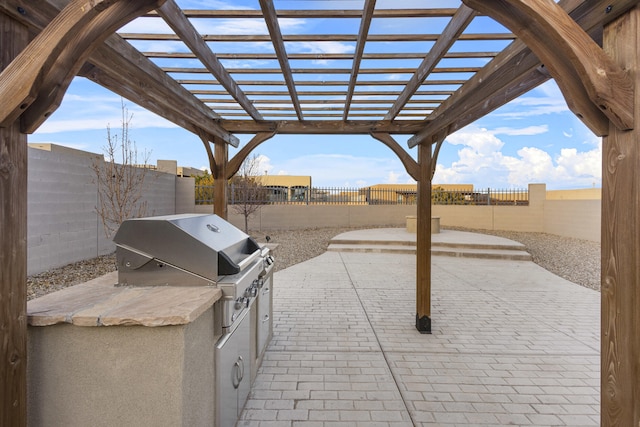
[{"x": 575, "y": 260}]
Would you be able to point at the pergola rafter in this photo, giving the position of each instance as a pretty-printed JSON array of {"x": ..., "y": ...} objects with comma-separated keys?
[
  {"x": 174, "y": 17},
  {"x": 458, "y": 23}
]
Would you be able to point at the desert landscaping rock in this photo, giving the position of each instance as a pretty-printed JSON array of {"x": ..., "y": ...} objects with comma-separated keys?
[{"x": 575, "y": 260}]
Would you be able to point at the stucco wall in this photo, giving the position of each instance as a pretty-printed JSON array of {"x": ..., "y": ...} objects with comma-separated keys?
[
  {"x": 162, "y": 376},
  {"x": 185, "y": 195},
  {"x": 62, "y": 225},
  {"x": 61, "y": 200},
  {"x": 573, "y": 218}
]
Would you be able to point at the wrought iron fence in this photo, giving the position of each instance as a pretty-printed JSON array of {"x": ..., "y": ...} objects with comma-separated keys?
[
  {"x": 484, "y": 196},
  {"x": 368, "y": 196}
]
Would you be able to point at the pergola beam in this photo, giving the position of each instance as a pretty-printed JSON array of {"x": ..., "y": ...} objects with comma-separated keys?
[{"x": 327, "y": 127}]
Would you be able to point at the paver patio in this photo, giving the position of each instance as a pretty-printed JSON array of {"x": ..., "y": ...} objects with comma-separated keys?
[{"x": 512, "y": 344}]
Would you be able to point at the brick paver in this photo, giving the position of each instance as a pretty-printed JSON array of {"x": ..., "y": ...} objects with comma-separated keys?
[{"x": 511, "y": 344}]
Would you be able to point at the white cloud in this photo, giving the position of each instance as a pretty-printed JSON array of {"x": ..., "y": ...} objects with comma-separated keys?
[
  {"x": 392, "y": 177},
  {"x": 395, "y": 77},
  {"x": 245, "y": 26},
  {"x": 481, "y": 161},
  {"x": 551, "y": 101},
  {"x": 583, "y": 164},
  {"x": 112, "y": 117},
  {"x": 529, "y": 130},
  {"x": 264, "y": 164},
  {"x": 150, "y": 25}
]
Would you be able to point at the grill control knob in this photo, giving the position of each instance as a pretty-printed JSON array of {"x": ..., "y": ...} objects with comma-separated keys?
[{"x": 239, "y": 303}]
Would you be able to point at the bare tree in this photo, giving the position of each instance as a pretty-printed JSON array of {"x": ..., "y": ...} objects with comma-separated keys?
[
  {"x": 119, "y": 179},
  {"x": 247, "y": 194}
]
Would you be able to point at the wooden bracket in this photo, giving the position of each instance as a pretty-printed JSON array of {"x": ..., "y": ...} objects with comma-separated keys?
[
  {"x": 411, "y": 166},
  {"x": 207, "y": 146},
  {"x": 234, "y": 164},
  {"x": 439, "y": 139},
  {"x": 596, "y": 89},
  {"x": 39, "y": 76},
  {"x": 73, "y": 56}
]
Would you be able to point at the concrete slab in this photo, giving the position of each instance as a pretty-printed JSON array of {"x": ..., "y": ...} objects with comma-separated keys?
[
  {"x": 511, "y": 344},
  {"x": 445, "y": 237},
  {"x": 447, "y": 243}
]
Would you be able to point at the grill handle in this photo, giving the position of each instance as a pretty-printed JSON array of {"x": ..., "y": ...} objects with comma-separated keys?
[
  {"x": 227, "y": 266},
  {"x": 248, "y": 260}
]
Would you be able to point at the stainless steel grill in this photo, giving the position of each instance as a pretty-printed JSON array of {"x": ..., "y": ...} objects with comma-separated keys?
[
  {"x": 181, "y": 250},
  {"x": 192, "y": 250},
  {"x": 205, "y": 250}
]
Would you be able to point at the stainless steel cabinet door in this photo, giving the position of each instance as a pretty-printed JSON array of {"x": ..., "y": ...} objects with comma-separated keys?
[{"x": 233, "y": 369}]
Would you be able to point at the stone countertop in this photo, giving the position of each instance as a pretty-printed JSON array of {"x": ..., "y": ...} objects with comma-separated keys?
[{"x": 100, "y": 302}]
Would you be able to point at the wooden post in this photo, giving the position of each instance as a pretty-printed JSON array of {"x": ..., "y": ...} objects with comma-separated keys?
[
  {"x": 423, "y": 242},
  {"x": 221, "y": 155},
  {"x": 13, "y": 249},
  {"x": 620, "y": 338}
]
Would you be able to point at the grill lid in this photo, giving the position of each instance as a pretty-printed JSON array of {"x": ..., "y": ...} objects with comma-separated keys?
[{"x": 205, "y": 245}]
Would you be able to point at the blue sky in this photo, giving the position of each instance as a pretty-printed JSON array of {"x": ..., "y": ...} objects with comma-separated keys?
[{"x": 534, "y": 139}]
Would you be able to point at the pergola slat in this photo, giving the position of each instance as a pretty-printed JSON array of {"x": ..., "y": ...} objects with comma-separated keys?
[
  {"x": 325, "y": 13},
  {"x": 386, "y": 38},
  {"x": 365, "y": 23},
  {"x": 278, "y": 43},
  {"x": 320, "y": 56}
]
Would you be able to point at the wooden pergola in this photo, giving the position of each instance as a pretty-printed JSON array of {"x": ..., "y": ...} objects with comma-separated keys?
[{"x": 222, "y": 84}]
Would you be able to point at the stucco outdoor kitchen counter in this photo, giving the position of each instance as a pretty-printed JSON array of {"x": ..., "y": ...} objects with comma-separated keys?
[{"x": 100, "y": 302}]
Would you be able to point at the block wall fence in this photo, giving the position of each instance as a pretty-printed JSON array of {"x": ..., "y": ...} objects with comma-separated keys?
[{"x": 63, "y": 226}]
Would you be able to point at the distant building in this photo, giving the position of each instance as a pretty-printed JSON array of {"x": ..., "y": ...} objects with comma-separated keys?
[
  {"x": 286, "y": 188},
  {"x": 404, "y": 194}
]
